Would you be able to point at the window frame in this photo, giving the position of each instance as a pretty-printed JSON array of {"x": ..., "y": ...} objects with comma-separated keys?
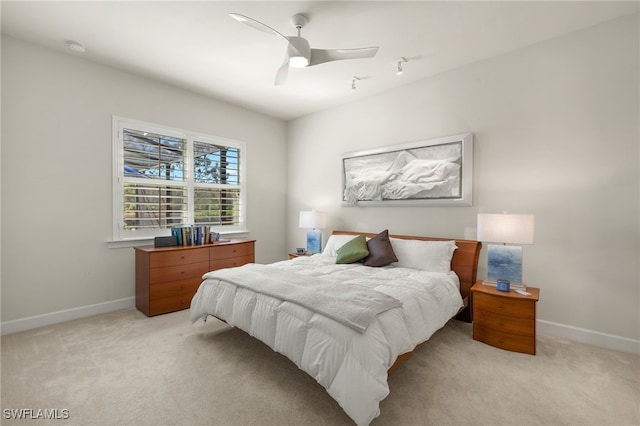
[{"x": 120, "y": 123}]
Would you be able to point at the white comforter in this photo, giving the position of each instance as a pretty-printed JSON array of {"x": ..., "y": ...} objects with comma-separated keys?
[{"x": 352, "y": 366}]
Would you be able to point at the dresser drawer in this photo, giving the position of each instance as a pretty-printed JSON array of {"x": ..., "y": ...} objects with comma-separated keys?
[
  {"x": 186, "y": 287},
  {"x": 178, "y": 257},
  {"x": 169, "y": 304},
  {"x": 230, "y": 262},
  {"x": 180, "y": 272},
  {"x": 503, "y": 305},
  {"x": 504, "y": 323},
  {"x": 231, "y": 250},
  {"x": 510, "y": 342}
]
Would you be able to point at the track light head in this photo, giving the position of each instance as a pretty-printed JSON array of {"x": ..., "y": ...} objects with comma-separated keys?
[
  {"x": 353, "y": 83},
  {"x": 399, "y": 68}
]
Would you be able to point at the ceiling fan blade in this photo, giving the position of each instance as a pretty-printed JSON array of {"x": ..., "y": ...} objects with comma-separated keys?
[
  {"x": 256, "y": 24},
  {"x": 267, "y": 29},
  {"x": 319, "y": 56},
  {"x": 283, "y": 71}
]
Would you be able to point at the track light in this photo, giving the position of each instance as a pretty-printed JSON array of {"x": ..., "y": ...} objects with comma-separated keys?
[
  {"x": 353, "y": 83},
  {"x": 399, "y": 69}
]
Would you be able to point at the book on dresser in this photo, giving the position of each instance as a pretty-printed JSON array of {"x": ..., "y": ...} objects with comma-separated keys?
[
  {"x": 167, "y": 278},
  {"x": 193, "y": 235}
]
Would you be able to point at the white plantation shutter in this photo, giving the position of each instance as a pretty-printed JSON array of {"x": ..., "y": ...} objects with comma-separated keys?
[
  {"x": 154, "y": 206},
  {"x": 169, "y": 177}
]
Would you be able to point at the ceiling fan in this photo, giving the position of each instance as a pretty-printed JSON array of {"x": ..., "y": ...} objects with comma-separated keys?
[{"x": 299, "y": 53}]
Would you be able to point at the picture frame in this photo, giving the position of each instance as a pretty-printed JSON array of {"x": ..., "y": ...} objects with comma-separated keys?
[{"x": 434, "y": 172}]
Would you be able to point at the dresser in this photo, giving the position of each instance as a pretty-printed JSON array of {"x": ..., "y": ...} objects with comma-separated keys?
[
  {"x": 506, "y": 320},
  {"x": 168, "y": 277}
]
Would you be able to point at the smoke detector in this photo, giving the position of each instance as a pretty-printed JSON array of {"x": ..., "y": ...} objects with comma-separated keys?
[{"x": 75, "y": 46}]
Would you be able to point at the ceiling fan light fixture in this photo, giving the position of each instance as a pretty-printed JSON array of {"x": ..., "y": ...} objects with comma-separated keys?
[
  {"x": 299, "y": 52},
  {"x": 298, "y": 61}
]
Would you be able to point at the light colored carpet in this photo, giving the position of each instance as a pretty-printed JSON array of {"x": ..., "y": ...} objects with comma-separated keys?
[{"x": 123, "y": 368}]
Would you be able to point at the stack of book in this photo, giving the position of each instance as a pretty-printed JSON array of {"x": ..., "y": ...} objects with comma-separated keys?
[{"x": 190, "y": 235}]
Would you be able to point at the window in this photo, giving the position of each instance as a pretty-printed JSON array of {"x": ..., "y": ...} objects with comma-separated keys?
[{"x": 168, "y": 177}]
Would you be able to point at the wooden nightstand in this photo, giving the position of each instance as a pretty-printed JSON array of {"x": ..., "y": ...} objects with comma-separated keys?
[
  {"x": 505, "y": 320},
  {"x": 294, "y": 255}
]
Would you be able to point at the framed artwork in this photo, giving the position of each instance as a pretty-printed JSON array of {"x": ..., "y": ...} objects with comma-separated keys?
[{"x": 435, "y": 172}]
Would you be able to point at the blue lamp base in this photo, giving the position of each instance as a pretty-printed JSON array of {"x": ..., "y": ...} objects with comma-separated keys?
[
  {"x": 314, "y": 241},
  {"x": 504, "y": 263}
]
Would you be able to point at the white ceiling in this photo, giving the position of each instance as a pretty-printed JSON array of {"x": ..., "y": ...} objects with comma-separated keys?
[{"x": 196, "y": 45}]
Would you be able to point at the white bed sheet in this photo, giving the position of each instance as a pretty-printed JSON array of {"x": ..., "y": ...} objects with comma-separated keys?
[{"x": 352, "y": 366}]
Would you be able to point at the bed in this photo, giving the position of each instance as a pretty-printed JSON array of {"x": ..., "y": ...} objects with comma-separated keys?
[{"x": 348, "y": 323}]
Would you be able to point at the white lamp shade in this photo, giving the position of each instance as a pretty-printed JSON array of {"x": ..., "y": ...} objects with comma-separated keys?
[
  {"x": 506, "y": 228},
  {"x": 313, "y": 220}
]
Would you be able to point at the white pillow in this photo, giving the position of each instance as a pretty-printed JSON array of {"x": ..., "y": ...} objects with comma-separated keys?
[
  {"x": 433, "y": 256},
  {"x": 335, "y": 242}
]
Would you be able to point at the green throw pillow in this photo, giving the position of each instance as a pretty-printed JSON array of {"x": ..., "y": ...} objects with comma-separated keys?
[{"x": 353, "y": 251}]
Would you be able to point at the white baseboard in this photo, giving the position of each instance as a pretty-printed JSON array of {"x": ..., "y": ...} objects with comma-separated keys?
[
  {"x": 29, "y": 323},
  {"x": 589, "y": 337}
]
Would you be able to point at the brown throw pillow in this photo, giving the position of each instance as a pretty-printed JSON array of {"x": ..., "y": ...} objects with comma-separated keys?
[{"x": 380, "y": 250}]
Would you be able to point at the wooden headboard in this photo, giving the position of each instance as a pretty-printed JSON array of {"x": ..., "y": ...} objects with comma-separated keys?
[{"x": 464, "y": 263}]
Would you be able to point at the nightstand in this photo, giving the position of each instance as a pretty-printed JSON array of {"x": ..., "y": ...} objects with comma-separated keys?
[
  {"x": 506, "y": 320},
  {"x": 294, "y": 255}
]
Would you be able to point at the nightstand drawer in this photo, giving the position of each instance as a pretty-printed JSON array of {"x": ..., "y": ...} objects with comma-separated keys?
[
  {"x": 510, "y": 342},
  {"x": 502, "y": 305},
  {"x": 504, "y": 323}
]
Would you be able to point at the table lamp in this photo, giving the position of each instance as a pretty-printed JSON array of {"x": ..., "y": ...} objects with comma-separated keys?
[
  {"x": 504, "y": 262},
  {"x": 313, "y": 221}
]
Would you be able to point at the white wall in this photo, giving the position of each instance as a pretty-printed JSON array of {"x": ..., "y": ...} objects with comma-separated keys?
[
  {"x": 57, "y": 175},
  {"x": 556, "y": 128}
]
